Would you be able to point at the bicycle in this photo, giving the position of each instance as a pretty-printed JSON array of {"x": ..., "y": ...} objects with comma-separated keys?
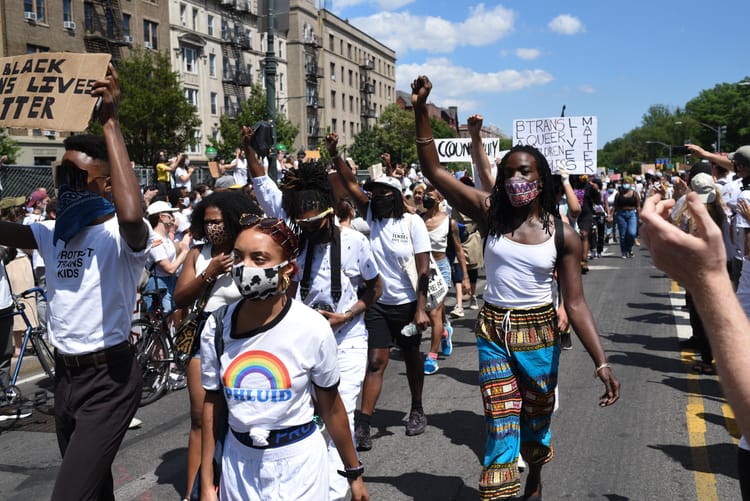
[
  {"x": 154, "y": 347},
  {"x": 11, "y": 394}
]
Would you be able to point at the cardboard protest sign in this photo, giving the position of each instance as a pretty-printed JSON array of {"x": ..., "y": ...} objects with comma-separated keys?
[
  {"x": 49, "y": 90},
  {"x": 459, "y": 150},
  {"x": 376, "y": 171},
  {"x": 566, "y": 142}
]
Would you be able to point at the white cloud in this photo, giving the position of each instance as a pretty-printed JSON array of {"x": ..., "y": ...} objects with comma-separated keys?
[
  {"x": 458, "y": 86},
  {"x": 527, "y": 54},
  {"x": 566, "y": 24},
  {"x": 403, "y": 31},
  {"x": 587, "y": 89},
  {"x": 339, "y": 5}
]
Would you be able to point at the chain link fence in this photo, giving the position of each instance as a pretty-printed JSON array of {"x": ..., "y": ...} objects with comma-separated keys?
[{"x": 21, "y": 180}]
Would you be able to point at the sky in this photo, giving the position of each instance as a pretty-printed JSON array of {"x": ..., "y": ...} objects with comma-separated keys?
[{"x": 518, "y": 60}]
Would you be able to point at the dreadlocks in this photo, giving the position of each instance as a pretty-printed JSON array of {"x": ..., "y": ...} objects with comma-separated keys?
[
  {"x": 306, "y": 188},
  {"x": 500, "y": 206}
]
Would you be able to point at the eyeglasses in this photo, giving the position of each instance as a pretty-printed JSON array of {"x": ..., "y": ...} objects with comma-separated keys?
[
  {"x": 315, "y": 219},
  {"x": 275, "y": 228}
]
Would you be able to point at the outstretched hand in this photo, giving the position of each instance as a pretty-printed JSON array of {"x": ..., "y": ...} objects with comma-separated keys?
[
  {"x": 107, "y": 91},
  {"x": 332, "y": 142},
  {"x": 246, "y": 137},
  {"x": 420, "y": 90}
]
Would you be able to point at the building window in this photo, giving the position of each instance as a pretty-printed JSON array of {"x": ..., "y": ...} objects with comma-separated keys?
[
  {"x": 67, "y": 11},
  {"x": 214, "y": 103},
  {"x": 333, "y": 99},
  {"x": 281, "y": 82},
  {"x": 33, "y": 49},
  {"x": 126, "y": 25},
  {"x": 351, "y": 104},
  {"x": 342, "y": 73},
  {"x": 195, "y": 19},
  {"x": 88, "y": 16},
  {"x": 351, "y": 129},
  {"x": 210, "y": 27},
  {"x": 333, "y": 125},
  {"x": 349, "y": 50},
  {"x": 149, "y": 35},
  {"x": 343, "y": 101},
  {"x": 333, "y": 71},
  {"x": 183, "y": 14},
  {"x": 190, "y": 60},
  {"x": 281, "y": 49},
  {"x": 212, "y": 65},
  {"x": 196, "y": 147},
  {"x": 36, "y": 7},
  {"x": 351, "y": 76},
  {"x": 341, "y": 47},
  {"x": 192, "y": 96},
  {"x": 330, "y": 43}
]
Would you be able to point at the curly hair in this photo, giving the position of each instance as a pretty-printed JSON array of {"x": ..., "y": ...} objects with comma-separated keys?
[
  {"x": 91, "y": 145},
  {"x": 500, "y": 207},
  {"x": 306, "y": 188},
  {"x": 231, "y": 204}
]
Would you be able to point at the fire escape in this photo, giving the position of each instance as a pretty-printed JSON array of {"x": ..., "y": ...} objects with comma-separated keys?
[
  {"x": 103, "y": 28},
  {"x": 367, "y": 89},
  {"x": 313, "y": 101},
  {"x": 236, "y": 41}
]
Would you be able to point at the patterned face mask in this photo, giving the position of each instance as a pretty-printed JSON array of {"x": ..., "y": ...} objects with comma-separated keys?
[
  {"x": 257, "y": 284},
  {"x": 216, "y": 234},
  {"x": 521, "y": 192}
]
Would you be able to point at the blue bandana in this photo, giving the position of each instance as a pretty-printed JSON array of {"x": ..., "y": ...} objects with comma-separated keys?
[{"x": 76, "y": 209}]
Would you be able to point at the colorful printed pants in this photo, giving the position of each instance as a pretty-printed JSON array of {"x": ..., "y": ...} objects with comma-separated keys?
[{"x": 519, "y": 351}]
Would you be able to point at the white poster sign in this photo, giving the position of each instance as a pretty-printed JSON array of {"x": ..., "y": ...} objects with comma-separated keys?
[
  {"x": 459, "y": 150},
  {"x": 566, "y": 142}
]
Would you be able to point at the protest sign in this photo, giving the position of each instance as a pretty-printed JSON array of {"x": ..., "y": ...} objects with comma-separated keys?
[
  {"x": 49, "y": 90},
  {"x": 566, "y": 142},
  {"x": 376, "y": 171},
  {"x": 459, "y": 150}
]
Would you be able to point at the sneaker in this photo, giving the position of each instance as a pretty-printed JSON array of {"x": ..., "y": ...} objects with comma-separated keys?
[
  {"x": 521, "y": 464},
  {"x": 638, "y": 243},
  {"x": 430, "y": 365},
  {"x": 416, "y": 424},
  {"x": 362, "y": 437},
  {"x": 566, "y": 343},
  {"x": 631, "y": 254},
  {"x": 473, "y": 304},
  {"x": 624, "y": 256},
  {"x": 446, "y": 344},
  {"x": 458, "y": 311},
  {"x": 14, "y": 412},
  {"x": 177, "y": 381},
  {"x": 135, "y": 423}
]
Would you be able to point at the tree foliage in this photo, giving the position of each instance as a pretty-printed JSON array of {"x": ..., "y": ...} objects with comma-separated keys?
[
  {"x": 366, "y": 149},
  {"x": 250, "y": 111},
  {"x": 154, "y": 113},
  {"x": 8, "y": 146}
]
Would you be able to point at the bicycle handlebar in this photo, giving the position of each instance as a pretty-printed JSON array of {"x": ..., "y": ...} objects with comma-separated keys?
[{"x": 33, "y": 290}]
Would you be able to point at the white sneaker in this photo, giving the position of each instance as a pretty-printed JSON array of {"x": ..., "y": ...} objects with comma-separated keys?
[
  {"x": 521, "y": 464},
  {"x": 458, "y": 311},
  {"x": 473, "y": 304},
  {"x": 135, "y": 423}
]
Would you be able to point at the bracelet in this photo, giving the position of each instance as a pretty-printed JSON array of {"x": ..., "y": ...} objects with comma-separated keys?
[
  {"x": 425, "y": 140},
  {"x": 352, "y": 473},
  {"x": 603, "y": 366},
  {"x": 349, "y": 314},
  {"x": 206, "y": 278}
]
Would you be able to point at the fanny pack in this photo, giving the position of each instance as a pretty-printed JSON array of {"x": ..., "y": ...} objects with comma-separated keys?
[{"x": 278, "y": 438}]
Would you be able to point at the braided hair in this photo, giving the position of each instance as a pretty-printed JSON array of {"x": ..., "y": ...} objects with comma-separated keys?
[
  {"x": 306, "y": 188},
  {"x": 500, "y": 206}
]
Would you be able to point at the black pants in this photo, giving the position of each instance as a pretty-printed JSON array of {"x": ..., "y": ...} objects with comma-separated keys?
[
  {"x": 743, "y": 467},
  {"x": 6, "y": 343},
  {"x": 93, "y": 408},
  {"x": 701, "y": 338}
]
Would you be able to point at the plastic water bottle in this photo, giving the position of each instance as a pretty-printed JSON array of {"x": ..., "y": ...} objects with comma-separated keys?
[{"x": 410, "y": 330}]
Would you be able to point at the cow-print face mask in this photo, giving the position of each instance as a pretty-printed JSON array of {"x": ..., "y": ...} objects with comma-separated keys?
[{"x": 257, "y": 284}]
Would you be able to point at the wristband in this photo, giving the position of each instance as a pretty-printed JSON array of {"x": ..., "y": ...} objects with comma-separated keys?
[
  {"x": 603, "y": 366},
  {"x": 206, "y": 278},
  {"x": 352, "y": 473},
  {"x": 349, "y": 314}
]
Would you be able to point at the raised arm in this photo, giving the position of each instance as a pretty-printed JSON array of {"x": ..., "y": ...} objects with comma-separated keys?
[
  {"x": 267, "y": 191},
  {"x": 574, "y": 206},
  {"x": 478, "y": 155},
  {"x": 126, "y": 193},
  {"x": 348, "y": 179},
  {"x": 465, "y": 199},
  {"x": 721, "y": 160}
]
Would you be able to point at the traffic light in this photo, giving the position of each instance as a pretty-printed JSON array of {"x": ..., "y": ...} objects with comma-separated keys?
[{"x": 723, "y": 130}]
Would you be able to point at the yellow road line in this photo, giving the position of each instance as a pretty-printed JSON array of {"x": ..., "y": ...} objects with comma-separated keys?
[{"x": 731, "y": 422}]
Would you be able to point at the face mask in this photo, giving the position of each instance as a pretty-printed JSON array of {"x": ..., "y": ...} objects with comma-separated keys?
[
  {"x": 319, "y": 235},
  {"x": 521, "y": 192},
  {"x": 208, "y": 192},
  {"x": 381, "y": 206},
  {"x": 257, "y": 284},
  {"x": 626, "y": 186},
  {"x": 428, "y": 203},
  {"x": 187, "y": 162},
  {"x": 216, "y": 234},
  {"x": 186, "y": 202},
  {"x": 162, "y": 159}
]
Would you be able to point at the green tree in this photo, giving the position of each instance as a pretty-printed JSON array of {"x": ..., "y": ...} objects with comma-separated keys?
[
  {"x": 154, "y": 114},
  {"x": 252, "y": 110},
  {"x": 366, "y": 148},
  {"x": 8, "y": 146},
  {"x": 441, "y": 130},
  {"x": 397, "y": 134}
]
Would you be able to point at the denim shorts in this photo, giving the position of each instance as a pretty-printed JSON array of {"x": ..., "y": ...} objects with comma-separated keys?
[{"x": 445, "y": 269}]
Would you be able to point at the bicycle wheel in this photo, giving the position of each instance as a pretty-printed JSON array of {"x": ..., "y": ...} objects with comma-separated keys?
[
  {"x": 43, "y": 352},
  {"x": 152, "y": 353}
]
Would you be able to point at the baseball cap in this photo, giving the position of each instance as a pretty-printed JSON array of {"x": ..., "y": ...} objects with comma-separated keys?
[
  {"x": 388, "y": 181},
  {"x": 158, "y": 207},
  {"x": 743, "y": 152},
  {"x": 703, "y": 185}
]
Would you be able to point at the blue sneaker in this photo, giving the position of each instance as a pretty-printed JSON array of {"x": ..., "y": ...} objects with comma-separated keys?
[
  {"x": 446, "y": 344},
  {"x": 430, "y": 366}
]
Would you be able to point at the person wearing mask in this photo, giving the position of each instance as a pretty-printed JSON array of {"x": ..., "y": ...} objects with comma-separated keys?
[
  {"x": 625, "y": 210},
  {"x": 237, "y": 168},
  {"x": 163, "y": 171},
  {"x": 183, "y": 172}
]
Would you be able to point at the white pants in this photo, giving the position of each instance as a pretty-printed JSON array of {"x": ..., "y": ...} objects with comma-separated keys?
[
  {"x": 296, "y": 471},
  {"x": 352, "y": 355}
]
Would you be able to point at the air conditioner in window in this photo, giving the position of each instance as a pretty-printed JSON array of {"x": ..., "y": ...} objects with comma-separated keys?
[
  {"x": 148, "y": 45},
  {"x": 48, "y": 133},
  {"x": 69, "y": 25},
  {"x": 29, "y": 16},
  {"x": 128, "y": 39}
]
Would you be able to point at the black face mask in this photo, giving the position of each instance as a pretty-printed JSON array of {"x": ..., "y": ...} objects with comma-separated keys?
[
  {"x": 428, "y": 203},
  {"x": 321, "y": 235},
  {"x": 381, "y": 206}
]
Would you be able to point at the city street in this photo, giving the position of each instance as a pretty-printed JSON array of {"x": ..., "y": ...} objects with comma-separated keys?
[{"x": 671, "y": 436}]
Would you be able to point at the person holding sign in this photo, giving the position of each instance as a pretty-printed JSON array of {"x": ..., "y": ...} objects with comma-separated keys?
[
  {"x": 517, "y": 338},
  {"x": 99, "y": 232}
]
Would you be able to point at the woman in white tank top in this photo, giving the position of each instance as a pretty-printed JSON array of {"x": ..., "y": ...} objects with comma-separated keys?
[{"x": 517, "y": 337}]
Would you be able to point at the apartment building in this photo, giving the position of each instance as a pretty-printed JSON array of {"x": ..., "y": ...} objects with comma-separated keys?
[{"x": 340, "y": 78}]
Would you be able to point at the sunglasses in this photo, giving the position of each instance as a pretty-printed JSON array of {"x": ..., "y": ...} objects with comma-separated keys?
[
  {"x": 275, "y": 228},
  {"x": 315, "y": 219}
]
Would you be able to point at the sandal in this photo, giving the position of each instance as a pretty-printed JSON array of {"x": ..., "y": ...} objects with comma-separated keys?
[{"x": 704, "y": 368}]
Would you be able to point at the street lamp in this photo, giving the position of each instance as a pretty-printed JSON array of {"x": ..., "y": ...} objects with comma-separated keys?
[
  {"x": 719, "y": 130},
  {"x": 669, "y": 146}
]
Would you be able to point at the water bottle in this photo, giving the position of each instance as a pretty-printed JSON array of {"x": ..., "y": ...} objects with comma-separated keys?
[{"x": 410, "y": 330}]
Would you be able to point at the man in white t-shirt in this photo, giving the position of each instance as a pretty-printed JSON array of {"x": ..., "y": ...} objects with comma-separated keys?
[{"x": 94, "y": 253}]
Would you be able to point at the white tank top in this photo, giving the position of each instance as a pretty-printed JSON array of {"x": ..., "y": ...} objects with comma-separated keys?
[
  {"x": 439, "y": 236},
  {"x": 224, "y": 290},
  {"x": 519, "y": 275}
]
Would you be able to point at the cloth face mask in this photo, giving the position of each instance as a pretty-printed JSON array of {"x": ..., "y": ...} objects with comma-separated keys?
[
  {"x": 257, "y": 284},
  {"x": 521, "y": 192}
]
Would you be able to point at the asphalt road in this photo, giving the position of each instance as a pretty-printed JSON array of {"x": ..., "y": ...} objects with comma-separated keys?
[{"x": 671, "y": 435}]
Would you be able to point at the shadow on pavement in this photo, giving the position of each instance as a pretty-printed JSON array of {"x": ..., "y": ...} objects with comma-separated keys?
[
  {"x": 650, "y": 343},
  {"x": 729, "y": 424},
  {"x": 470, "y": 377},
  {"x": 709, "y": 387},
  {"x": 722, "y": 458},
  {"x": 428, "y": 487},
  {"x": 462, "y": 428},
  {"x": 171, "y": 470}
]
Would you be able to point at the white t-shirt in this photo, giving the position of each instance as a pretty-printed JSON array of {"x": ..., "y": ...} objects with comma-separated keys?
[
  {"x": 224, "y": 290},
  {"x": 164, "y": 250},
  {"x": 5, "y": 297},
  {"x": 91, "y": 286},
  {"x": 357, "y": 264},
  {"x": 240, "y": 171},
  {"x": 267, "y": 375},
  {"x": 269, "y": 196},
  {"x": 392, "y": 247},
  {"x": 178, "y": 183}
]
